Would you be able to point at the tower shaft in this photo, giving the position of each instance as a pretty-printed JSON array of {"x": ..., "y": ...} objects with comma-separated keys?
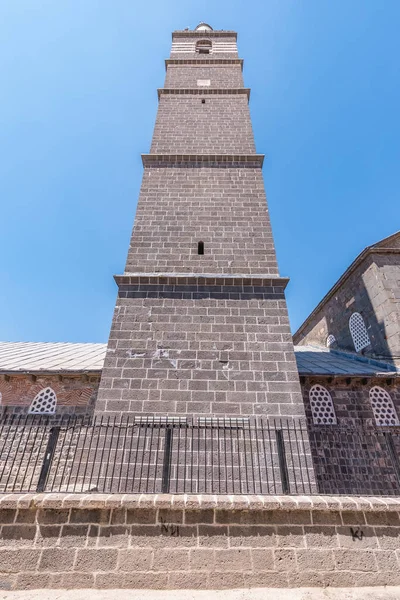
[{"x": 201, "y": 325}]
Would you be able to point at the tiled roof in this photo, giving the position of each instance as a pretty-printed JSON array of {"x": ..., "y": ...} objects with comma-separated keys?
[
  {"x": 60, "y": 356},
  {"x": 321, "y": 361},
  {"x": 49, "y": 356}
]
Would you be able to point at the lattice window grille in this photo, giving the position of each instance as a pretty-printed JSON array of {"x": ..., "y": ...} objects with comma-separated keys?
[
  {"x": 383, "y": 407},
  {"x": 44, "y": 402},
  {"x": 358, "y": 332},
  {"x": 322, "y": 409},
  {"x": 330, "y": 340}
]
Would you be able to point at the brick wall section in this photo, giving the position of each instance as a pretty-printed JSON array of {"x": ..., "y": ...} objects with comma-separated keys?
[
  {"x": 221, "y": 125},
  {"x": 221, "y": 76},
  {"x": 189, "y": 351},
  {"x": 366, "y": 465},
  {"x": 351, "y": 398},
  {"x": 373, "y": 290},
  {"x": 223, "y": 207},
  {"x": 75, "y": 394},
  {"x": 164, "y": 542}
]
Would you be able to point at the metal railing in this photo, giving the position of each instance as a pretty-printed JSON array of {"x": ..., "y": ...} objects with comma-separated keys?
[{"x": 194, "y": 455}]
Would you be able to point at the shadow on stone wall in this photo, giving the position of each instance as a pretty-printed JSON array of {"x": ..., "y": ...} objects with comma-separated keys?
[{"x": 356, "y": 296}]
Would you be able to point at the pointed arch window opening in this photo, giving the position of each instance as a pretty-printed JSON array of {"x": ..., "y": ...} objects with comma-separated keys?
[
  {"x": 330, "y": 340},
  {"x": 321, "y": 404},
  {"x": 383, "y": 407},
  {"x": 44, "y": 403},
  {"x": 358, "y": 331}
]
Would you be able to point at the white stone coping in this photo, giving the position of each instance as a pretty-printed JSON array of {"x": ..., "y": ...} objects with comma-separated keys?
[{"x": 201, "y": 501}]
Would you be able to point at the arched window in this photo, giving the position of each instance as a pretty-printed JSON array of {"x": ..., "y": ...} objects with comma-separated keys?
[
  {"x": 200, "y": 248},
  {"x": 203, "y": 47},
  {"x": 44, "y": 402},
  {"x": 322, "y": 409},
  {"x": 330, "y": 340},
  {"x": 383, "y": 407},
  {"x": 358, "y": 332}
]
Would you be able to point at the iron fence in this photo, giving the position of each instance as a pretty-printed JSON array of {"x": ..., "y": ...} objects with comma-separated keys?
[{"x": 194, "y": 455}]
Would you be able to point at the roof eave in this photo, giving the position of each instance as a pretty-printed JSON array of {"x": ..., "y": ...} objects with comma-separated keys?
[
  {"x": 380, "y": 375},
  {"x": 51, "y": 372}
]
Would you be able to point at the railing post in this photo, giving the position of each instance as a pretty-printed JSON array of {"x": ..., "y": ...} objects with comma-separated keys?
[
  {"x": 280, "y": 444},
  {"x": 167, "y": 460},
  {"x": 48, "y": 458}
]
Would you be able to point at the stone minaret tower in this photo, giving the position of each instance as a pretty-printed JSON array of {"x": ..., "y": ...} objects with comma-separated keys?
[{"x": 201, "y": 325}]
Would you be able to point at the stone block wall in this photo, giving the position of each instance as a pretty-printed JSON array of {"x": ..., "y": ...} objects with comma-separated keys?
[
  {"x": 200, "y": 347},
  {"x": 356, "y": 455},
  {"x": 203, "y": 542},
  {"x": 186, "y": 125},
  {"x": 223, "y": 207},
  {"x": 221, "y": 76},
  {"x": 350, "y": 397},
  {"x": 373, "y": 290},
  {"x": 388, "y": 313},
  {"x": 205, "y": 329}
]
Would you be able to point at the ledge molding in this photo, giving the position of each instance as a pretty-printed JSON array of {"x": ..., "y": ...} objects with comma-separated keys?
[
  {"x": 203, "y": 34},
  {"x": 202, "y": 279},
  {"x": 201, "y": 501},
  {"x": 203, "y": 61},
  {"x": 253, "y": 160},
  {"x": 203, "y": 91}
]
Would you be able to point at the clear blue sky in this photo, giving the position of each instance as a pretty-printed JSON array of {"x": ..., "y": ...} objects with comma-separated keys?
[{"x": 78, "y": 105}]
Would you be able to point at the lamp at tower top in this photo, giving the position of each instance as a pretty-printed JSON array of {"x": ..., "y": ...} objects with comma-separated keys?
[{"x": 203, "y": 27}]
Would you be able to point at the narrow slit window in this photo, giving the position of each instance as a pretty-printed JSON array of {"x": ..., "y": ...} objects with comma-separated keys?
[{"x": 200, "y": 248}]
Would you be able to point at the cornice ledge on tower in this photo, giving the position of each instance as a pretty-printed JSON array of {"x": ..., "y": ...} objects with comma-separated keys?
[
  {"x": 203, "y": 34},
  {"x": 204, "y": 61},
  {"x": 149, "y": 160},
  {"x": 204, "y": 90},
  {"x": 243, "y": 280}
]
